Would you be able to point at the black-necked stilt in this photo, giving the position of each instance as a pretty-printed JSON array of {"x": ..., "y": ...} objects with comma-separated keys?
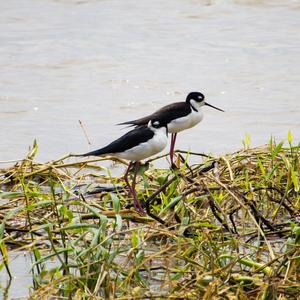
[
  {"x": 178, "y": 116},
  {"x": 136, "y": 145}
]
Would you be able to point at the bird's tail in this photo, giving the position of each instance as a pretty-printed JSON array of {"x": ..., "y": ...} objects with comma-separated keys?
[
  {"x": 91, "y": 153},
  {"x": 129, "y": 123},
  {"x": 137, "y": 122}
]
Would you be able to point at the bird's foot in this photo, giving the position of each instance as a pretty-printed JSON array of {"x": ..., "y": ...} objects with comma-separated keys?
[
  {"x": 138, "y": 207},
  {"x": 173, "y": 166}
]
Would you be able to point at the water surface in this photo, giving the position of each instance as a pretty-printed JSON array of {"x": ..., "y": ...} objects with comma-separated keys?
[{"x": 104, "y": 62}]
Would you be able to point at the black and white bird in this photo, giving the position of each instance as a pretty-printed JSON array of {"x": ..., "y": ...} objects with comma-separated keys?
[
  {"x": 178, "y": 116},
  {"x": 136, "y": 145}
]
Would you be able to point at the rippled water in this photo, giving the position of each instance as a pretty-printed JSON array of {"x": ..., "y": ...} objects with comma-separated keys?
[
  {"x": 104, "y": 62},
  {"x": 108, "y": 61},
  {"x": 20, "y": 266}
]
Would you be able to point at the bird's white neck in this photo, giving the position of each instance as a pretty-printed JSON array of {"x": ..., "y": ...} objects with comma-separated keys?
[{"x": 195, "y": 105}]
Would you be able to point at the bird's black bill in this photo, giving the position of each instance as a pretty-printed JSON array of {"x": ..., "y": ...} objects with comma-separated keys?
[{"x": 214, "y": 107}]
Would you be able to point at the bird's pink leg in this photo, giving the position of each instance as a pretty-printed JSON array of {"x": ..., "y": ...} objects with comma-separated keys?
[
  {"x": 131, "y": 187},
  {"x": 136, "y": 202},
  {"x": 173, "y": 140},
  {"x": 126, "y": 176}
]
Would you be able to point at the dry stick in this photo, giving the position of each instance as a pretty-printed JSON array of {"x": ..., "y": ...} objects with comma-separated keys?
[
  {"x": 275, "y": 260},
  {"x": 280, "y": 202},
  {"x": 179, "y": 151},
  {"x": 288, "y": 267},
  {"x": 214, "y": 210},
  {"x": 85, "y": 133},
  {"x": 232, "y": 219},
  {"x": 258, "y": 216},
  {"x": 193, "y": 153},
  {"x": 250, "y": 214},
  {"x": 62, "y": 158},
  {"x": 153, "y": 196},
  {"x": 23, "y": 230},
  {"x": 228, "y": 166},
  {"x": 164, "y": 186},
  {"x": 51, "y": 164},
  {"x": 79, "y": 170},
  {"x": 9, "y": 177},
  {"x": 10, "y": 161},
  {"x": 154, "y": 255}
]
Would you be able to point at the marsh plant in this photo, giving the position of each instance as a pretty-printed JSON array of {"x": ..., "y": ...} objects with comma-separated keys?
[{"x": 223, "y": 228}]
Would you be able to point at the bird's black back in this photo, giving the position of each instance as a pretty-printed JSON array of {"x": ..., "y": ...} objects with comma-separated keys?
[
  {"x": 167, "y": 114},
  {"x": 129, "y": 140}
]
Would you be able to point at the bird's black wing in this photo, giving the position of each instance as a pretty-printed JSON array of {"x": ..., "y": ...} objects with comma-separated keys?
[
  {"x": 167, "y": 113},
  {"x": 129, "y": 140}
]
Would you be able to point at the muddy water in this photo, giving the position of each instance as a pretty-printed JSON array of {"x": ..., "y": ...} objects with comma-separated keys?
[
  {"x": 107, "y": 61},
  {"x": 20, "y": 266}
]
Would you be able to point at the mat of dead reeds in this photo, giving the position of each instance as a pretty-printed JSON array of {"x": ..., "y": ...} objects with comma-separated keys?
[{"x": 222, "y": 228}]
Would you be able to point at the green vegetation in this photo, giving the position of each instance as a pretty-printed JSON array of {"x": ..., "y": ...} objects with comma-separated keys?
[{"x": 223, "y": 228}]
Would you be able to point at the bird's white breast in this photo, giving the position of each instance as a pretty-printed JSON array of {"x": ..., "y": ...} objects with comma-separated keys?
[
  {"x": 144, "y": 150},
  {"x": 188, "y": 121}
]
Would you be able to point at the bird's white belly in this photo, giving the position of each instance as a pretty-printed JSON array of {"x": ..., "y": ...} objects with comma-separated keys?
[
  {"x": 147, "y": 149},
  {"x": 186, "y": 122}
]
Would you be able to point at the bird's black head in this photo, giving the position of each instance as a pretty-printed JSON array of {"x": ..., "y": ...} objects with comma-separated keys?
[
  {"x": 196, "y": 96},
  {"x": 200, "y": 101}
]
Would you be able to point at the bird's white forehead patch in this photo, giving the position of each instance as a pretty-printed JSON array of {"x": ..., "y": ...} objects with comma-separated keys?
[{"x": 156, "y": 123}]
